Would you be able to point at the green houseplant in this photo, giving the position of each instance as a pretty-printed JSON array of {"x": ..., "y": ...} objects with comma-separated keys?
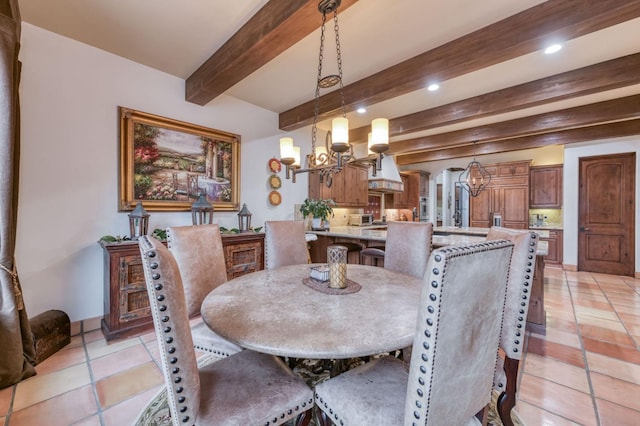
[{"x": 319, "y": 210}]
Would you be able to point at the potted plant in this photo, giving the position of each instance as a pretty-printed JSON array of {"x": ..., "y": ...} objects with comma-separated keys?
[{"x": 319, "y": 210}]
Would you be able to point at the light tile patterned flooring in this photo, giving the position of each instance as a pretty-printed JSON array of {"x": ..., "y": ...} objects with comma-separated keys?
[{"x": 585, "y": 370}]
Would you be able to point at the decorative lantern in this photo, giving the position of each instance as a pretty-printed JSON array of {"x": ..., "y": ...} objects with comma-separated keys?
[
  {"x": 202, "y": 211},
  {"x": 138, "y": 222},
  {"x": 244, "y": 219}
]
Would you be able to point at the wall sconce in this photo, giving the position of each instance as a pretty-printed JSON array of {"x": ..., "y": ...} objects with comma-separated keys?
[
  {"x": 244, "y": 219},
  {"x": 138, "y": 222},
  {"x": 202, "y": 211}
]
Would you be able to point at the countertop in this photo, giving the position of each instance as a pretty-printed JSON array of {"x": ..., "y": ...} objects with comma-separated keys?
[{"x": 375, "y": 233}]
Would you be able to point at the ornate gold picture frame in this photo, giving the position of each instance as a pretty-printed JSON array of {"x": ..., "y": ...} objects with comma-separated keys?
[{"x": 166, "y": 164}]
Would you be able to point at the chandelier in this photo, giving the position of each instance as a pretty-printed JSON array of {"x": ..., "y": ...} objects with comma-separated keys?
[
  {"x": 475, "y": 178},
  {"x": 330, "y": 157}
]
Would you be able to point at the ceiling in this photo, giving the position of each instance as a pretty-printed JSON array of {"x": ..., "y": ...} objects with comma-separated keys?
[{"x": 497, "y": 87}]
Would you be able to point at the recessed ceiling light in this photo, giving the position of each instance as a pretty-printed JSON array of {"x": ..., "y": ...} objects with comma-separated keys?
[
  {"x": 361, "y": 110},
  {"x": 433, "y": 87},
  {"x": 552, "y": 48}
]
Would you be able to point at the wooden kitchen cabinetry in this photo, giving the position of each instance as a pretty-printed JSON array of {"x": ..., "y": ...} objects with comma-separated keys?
[
  {"x": 507, "y": 194},
  {"x": 401, "y": 199},
  {"x": 349, "y": 188},
  {"x": 554, "y": 256},
  {"x": 126, "y": 304},
  {"x": 416, "y": 185},
  {"x": 546, "y": 187}
]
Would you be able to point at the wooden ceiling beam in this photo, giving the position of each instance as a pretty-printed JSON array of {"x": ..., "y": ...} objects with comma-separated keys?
[
  {"x": 277, "y": 26},
  {"x": 608, "y": 75},
  {"x": 586, "y": 115},
  {"x": 564, "y": 137},
  {"x": 509, "y": 38}
]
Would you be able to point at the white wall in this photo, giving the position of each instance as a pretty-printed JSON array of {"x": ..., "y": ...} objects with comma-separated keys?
[
  {"x": 69, "y": 164},
  {"x": 572, "y": 155}
]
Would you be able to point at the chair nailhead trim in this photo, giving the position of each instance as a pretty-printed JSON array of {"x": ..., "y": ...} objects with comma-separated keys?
[
  {"x": 167, "y": 329},
  {"x": 158, "y": 287},
  {"x": 154, "y": 265},
  {"x": 156, "y": 276},
  {"x": 162, "y": 308}
]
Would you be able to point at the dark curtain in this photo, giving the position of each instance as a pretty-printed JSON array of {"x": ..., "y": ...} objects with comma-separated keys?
[{"x": 17, "y": 351}]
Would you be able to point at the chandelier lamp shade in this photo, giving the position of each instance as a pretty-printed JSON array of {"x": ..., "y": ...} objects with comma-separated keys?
[
  {"x": 475, "y": 178},
  {"x": 330, "y": 158}
]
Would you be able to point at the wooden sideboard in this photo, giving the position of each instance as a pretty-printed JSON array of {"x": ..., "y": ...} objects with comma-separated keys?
[{"x": 126, "y": 304}]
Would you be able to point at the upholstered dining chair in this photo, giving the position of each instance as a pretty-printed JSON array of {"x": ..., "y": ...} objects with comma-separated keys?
[
  {"x": 407, "y": 247},
  {"x": 244, "y": 388},
  {"x": 521, "y": 273},
  {"x": 200, "y": 256},
  {"x": 284, "y": 243},
  {"x": 455, "y": 349}
]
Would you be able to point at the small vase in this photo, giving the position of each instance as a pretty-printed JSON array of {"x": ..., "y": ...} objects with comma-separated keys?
[{"x": 316, "y": 223}]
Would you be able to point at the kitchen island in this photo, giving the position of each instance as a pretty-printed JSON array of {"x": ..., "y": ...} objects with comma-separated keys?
[{"x": 368, "y": 236}]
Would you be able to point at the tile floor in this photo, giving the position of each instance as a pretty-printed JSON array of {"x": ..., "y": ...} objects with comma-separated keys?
[{"x": 584, "y": 371}]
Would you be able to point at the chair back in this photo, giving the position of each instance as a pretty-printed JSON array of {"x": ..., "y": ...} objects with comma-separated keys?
[
  {"x": 284, "y": 243},
  {"x": 173, "y": 333},
  {"x": 200, "y": 256},
  {"x": 458, "y": 331},
  {"x": 521, "y": 273},
  {"x": 408, "y": 247}
]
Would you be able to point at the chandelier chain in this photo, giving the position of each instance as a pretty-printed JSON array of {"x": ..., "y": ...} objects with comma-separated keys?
[
  {"x": 339, "y": 60},
  {"x": 316, "y": 106}
]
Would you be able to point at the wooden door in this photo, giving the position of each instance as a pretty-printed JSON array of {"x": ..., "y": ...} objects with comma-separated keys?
[{"x": 606, "y": 215}]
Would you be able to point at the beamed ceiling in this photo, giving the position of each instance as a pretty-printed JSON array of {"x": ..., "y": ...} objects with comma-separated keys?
[{"x": 497, "y": 87}]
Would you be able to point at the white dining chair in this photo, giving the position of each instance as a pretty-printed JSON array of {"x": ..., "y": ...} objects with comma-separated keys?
[
  {"x": 455, "y": 349},
  {"x": 284, "y": 243},
  {"x": 512, "y": 337},
  {"x": 246, "y": 388},
  {"x": 199, "y": 253}
]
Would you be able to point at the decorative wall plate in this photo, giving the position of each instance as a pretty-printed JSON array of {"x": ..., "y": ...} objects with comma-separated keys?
[
  {"x": 275, "y": 182},
  {"x": 274, "y": 165},
  {"x": 275, "y": 198}
]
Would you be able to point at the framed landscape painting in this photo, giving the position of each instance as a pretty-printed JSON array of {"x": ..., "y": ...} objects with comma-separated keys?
[{"x": 166, "y": 164}]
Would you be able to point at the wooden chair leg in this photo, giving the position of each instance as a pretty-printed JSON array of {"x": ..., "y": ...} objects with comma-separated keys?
[
  {"x": 507, "y": 399},
  {"x": 322, "y": 418},
  {"x": 304, "y": 419}
]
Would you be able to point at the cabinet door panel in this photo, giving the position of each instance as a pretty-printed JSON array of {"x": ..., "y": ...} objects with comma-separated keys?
[
  {"x": 480, "y": 209},
  {"x": 546, "y": 187},
  {"x": 516, "y": 204}
]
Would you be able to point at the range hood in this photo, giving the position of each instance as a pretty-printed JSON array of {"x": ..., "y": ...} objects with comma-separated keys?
[{"x": 386, "y": 180}]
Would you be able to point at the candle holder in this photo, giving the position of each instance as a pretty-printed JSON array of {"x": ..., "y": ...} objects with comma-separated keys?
[{"x": 337, "y": 261}]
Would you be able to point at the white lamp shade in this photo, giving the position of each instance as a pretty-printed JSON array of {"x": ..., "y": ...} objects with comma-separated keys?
[
  {"x": 379, "y": 132},
  {"x": 369, "y": 152},
  {"x": 286, "y": 148},
  {"x": 340, "y": 131},
  {"x": 296, "y": 156}
]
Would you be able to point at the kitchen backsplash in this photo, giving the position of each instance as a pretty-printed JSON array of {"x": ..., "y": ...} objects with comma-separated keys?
[{"x": 550, "y": 217}]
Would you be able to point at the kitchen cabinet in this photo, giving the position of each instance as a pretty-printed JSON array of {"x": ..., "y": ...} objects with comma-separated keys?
[
  {"x": 349, "y": 187},
  {"x": 416, "y": 186},
  {"x": 126, "y": 303},
  {"x": 401, "y": 199},
  {"x": 555, "y": 244},
  {"x": 546, "y": 187},
  {"x": 507, "y": 194}
]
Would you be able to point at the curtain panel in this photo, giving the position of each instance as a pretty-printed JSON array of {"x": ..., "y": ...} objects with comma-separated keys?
[{"x": 17, "y": 351}]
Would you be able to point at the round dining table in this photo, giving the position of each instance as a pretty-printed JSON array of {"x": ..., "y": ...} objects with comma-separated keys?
[{"x": 273, "y": 311}]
